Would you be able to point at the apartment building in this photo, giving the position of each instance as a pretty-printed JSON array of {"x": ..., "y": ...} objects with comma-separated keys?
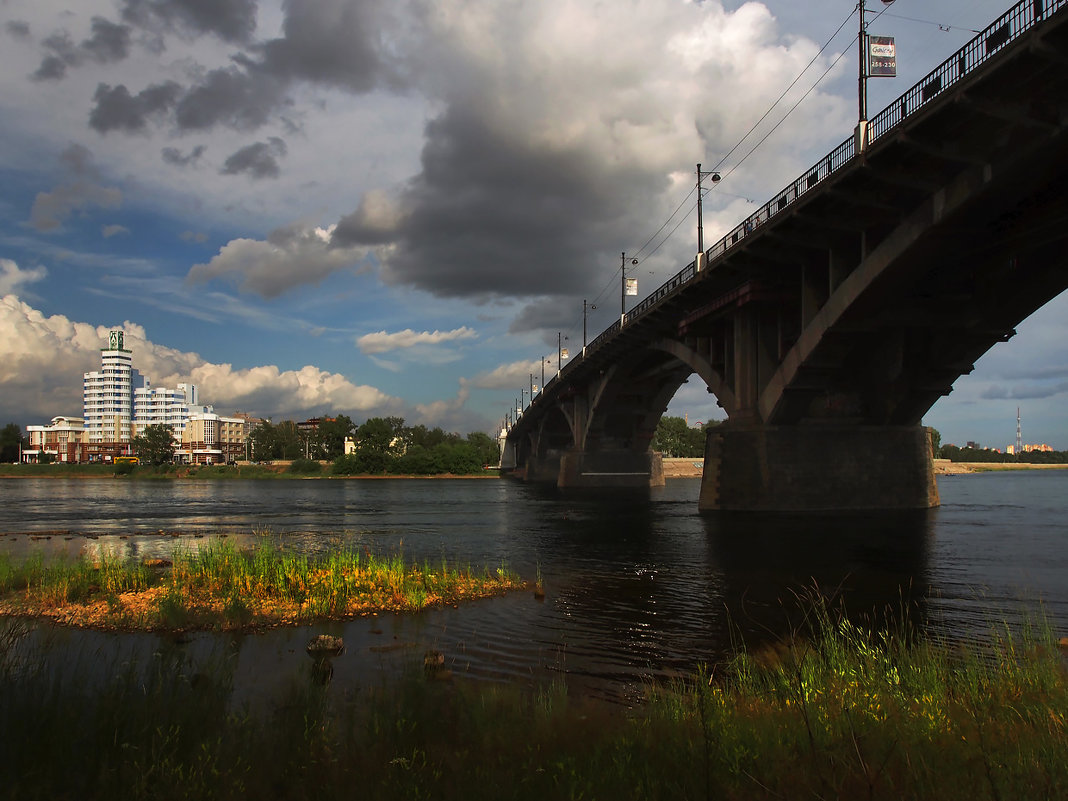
[
  {"x": 62, "y": 440},
  {"x": 118, "y": 403},
  {"x": 107, "y": 402},
  {"x": 209, "y": 438},
  {"x": 164, "y": 406}
]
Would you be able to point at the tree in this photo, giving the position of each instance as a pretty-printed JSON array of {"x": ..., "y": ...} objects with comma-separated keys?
[
  {"x": 486, "y": 447},
  {"x": 10, "y": 440},
  {"x": 287, "y": 441},
  {"x": 936, "y": 441},
  {"x": 378, "y": 434},
  {"x": 155, "y": 444},
  {"x": 674, "y": 438},
  {"x": 262, "y": 440},
  {"x": 331, "y": 436}
]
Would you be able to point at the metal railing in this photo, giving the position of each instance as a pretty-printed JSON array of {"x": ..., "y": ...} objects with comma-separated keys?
[{"x": 984, "y": 46}]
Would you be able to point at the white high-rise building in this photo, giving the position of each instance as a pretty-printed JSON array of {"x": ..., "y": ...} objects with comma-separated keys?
[
  {"x": 163, "y": 406},
  {"x": 107, "y": 399}
]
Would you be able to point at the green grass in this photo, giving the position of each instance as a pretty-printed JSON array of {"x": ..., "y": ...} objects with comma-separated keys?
[
  {"x": 222, "y": 586},
  {"x": 846, "y": 714}
]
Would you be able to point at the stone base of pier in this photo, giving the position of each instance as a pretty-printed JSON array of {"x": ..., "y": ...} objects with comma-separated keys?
[
  {"x": 611, "y": 469},
  {"x": 819, "y": 467}
]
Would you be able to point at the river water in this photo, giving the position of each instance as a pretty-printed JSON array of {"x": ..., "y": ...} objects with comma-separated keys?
[{"x": 639, "y": 585}]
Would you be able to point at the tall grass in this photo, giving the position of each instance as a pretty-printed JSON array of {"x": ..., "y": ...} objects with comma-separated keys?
[
  {"x": 220, "y": 585},
  {"x": 846, "y": 714}
]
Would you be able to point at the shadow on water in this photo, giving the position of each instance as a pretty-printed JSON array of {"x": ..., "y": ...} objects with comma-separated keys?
[{"x": 875, "y": 567}]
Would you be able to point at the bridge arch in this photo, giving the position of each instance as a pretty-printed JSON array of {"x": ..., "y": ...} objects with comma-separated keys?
[{"x": 833, "y": 318}]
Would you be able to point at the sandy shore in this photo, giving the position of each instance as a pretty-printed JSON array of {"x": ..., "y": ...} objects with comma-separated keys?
[
  {"x": 946, "y": 467},
  {"x": 683, "y": 468},
  {"x": 693, "y": 468}
]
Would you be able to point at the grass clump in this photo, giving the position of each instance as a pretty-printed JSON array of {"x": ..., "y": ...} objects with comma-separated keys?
[
  {"x": 847, "y": 713},
  {"x": 222, "y": 586}
]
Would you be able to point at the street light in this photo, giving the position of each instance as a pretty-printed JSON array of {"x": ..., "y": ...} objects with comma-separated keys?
[
  {"x": 624, "y": 288},
  {"x": 544, "y": 361},
  {"x": 715, "y": 178},
  {"x": 584, "y": 307},
  {"x": 862, "y": 79},
  {"x": 561, "y": 352}
]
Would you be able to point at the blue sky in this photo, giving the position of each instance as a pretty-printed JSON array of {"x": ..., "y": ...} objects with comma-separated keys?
[{"x": 396, "y": 206}]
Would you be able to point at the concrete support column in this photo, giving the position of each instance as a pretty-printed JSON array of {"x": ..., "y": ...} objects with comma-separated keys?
[
  {"x": 618, "y": 468},
  {"x": 543, "y": 469},
  {"x": 825, "y": 467}
]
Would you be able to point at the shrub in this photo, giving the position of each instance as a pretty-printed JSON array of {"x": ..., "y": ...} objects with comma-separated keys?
[{"x": 305, "y": 467}]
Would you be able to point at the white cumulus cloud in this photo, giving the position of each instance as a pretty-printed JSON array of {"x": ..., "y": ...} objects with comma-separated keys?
[
  {"x": 42, "y": 360},
  {"x": 382, "y": 342},
  {"x": 12, "y": 276}
]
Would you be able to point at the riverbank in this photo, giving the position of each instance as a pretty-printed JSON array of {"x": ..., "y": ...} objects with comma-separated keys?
[
  {"x": 847, "y": 713},
  {"x": 946, "y": 467},
  {"x": 281, "y": 470}
]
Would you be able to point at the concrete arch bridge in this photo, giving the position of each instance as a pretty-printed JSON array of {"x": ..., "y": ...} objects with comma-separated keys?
[{"x": 832, "y": 319}]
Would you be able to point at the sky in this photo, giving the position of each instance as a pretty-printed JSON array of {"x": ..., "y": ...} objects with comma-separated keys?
[{"x": 398, "y": 207}]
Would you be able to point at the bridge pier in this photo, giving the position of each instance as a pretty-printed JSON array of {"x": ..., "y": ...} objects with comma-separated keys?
[
  {"x": 611, "y": 469},
  {"x": 544, "y": 469},
  {"x": 819, "y": 467}
]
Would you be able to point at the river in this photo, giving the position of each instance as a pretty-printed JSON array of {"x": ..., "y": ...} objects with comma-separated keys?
[{"x": 639, "y": 585}]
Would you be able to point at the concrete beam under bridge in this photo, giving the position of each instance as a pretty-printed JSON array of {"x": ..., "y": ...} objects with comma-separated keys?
[
  {"x": 611, "y": 469},
  {"x": 818, "y": 467},
  {"x": 578, "y": 469}
]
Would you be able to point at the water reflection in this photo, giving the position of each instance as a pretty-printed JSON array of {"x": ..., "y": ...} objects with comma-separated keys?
[
  {"x": 774, "y": 566},
  {"x": 639, "y": 586}
]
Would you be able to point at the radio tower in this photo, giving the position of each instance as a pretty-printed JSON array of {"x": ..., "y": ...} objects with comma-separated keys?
[{"x": 1019, "y": 439}]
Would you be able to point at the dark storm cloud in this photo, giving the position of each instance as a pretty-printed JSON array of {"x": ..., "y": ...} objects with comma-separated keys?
[
  {"x": 116, "y": 109},
  {"x": 174, "y": 156},
  {"x": 64, "y": 54},
  {"x": 230, "y": 97},
  {"x": 109, "y": 42},
  {"x": 18, "y": 29},
  {"x": 259, "y": 160},
  {"x": 335, "y": 42},
  {"x": 52, "y": 68},
  {"x": 330, "y": 42},
  {"x": 495, "y": 215},
  {"x": 230, "y": 20}
]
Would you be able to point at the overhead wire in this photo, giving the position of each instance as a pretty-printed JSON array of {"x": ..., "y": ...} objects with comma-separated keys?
[
  {"x": 753, "y": 128},
  {"x": 638, "y": 255}
]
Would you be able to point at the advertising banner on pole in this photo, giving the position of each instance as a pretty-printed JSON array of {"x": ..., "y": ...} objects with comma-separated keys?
[
  {"x": 631, "y": 286},
  {"x": 882, "y": 57}
]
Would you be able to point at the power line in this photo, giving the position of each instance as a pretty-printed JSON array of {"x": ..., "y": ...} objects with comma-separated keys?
[{"x": 748, "y": 133}]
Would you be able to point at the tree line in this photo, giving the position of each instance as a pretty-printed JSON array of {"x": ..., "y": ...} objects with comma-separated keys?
[
  {"x": 675, "y": 438},
  {"x": 383, "y": 445}
]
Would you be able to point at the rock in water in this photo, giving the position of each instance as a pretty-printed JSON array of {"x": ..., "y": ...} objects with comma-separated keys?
[{"x": 325, "y": 645}]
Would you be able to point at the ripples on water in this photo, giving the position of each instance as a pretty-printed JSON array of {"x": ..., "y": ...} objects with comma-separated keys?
[{"x": 639, "y": 585}]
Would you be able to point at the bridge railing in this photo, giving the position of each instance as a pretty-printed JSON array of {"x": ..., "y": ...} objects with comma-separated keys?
[
  {"x": 1009, "y": 26},
  {"x": 1003, "y": 30}
]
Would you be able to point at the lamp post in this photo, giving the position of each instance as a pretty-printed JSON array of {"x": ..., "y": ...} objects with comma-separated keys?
[
  {"x": 623, "y": 288},
  {"x": 584, "y": 307},
  {"x": 700, "y": 226},
  {"x": 862, "y": 79},
  {"x": 560, "y": 339}
]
